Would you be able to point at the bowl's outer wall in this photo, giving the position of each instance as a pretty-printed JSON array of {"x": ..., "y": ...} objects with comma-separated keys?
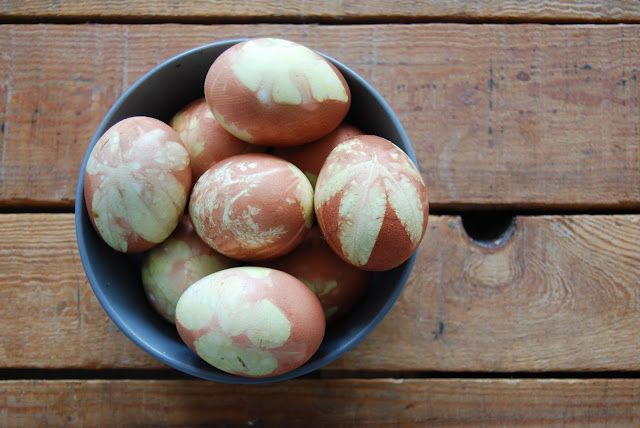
[{"x": 115, "y": 277}]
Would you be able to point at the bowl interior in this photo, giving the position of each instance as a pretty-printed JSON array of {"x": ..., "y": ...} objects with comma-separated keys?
[{"x": 115, "y": 277}]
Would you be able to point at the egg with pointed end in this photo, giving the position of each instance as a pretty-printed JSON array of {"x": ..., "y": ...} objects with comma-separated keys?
[
  {"x": 136, "y": 183},
  {"x": 203, "y": 137},
  {"x": 371, "y": 203},
  {"x": 276, "y": 92},
  {"x": 252, "y": 207},
  {"x": 170, "y": 267},
  {"x": 251, "y": 321}
]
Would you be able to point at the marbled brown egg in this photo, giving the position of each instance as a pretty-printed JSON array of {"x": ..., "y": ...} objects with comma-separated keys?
[
  {"x": 252, "y": 206},
  {"x": 275, "y": 92},
  {"x": 136, "y": 183},
  {"x": 311, "y": 156},
  {"x": 339, "y": 285},
  {"x": 371, "y": 203},
  {"x": 170, "y": 267},
  {"x": 251, "y": 321},
  {"x": 203, "y": 137}
]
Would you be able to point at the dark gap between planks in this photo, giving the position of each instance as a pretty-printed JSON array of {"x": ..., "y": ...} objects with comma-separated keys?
[
  {"x": 171, "y": 374},
  {"x": 487, "y": 227},
  {"x": 302, "y": 20}
]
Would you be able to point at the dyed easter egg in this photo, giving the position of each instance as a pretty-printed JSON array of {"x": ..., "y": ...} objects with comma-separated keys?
[
  {"x": 338, "y": 284},
  {"x": 276, "y": 92},
  {"x": 371, "y": 203},
  {"x": 311, "y": 156},
  {"x": 252, "y": 206},
  {"x": 172, "y": 266},
  {"x": 203, "y": 137},
  {"x": 137, "y": 183},
  {"x": 251, "y": 321}
]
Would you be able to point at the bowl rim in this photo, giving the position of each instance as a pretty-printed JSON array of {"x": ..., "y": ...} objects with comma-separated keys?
[{"x": 112, "y": 312}]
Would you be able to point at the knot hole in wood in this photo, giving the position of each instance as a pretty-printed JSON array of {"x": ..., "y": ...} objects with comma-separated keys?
[{"x": 489, "y": 229}]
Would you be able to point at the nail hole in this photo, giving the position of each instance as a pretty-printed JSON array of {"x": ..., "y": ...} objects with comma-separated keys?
[{"x": 489, "y": 229}]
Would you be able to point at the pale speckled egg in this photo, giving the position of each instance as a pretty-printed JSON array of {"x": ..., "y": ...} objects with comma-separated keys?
[
  {"x": 252, "y": 206},
  {"x": 311, "y": 156},
  {"x": 136, "y": 184},
  {"x": 371, "y": 203},
  {"x": 339, "y": 285},
  {"x": 170, "y": 267},
  {"x": 276, "y": 92},
  {"x": 203, "y": 137},
  {"x": 251, "y": 321}
]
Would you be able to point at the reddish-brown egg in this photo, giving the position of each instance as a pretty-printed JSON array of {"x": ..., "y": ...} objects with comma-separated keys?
[
  {"x": 276, "y": 92},
  {"x": 371, "y": 203},
  {"x": 338, "y": 284},
  {"x": 252, "y": 206},
  {"x": 311, "y": 156},
  {"x": 251, "y": 321},
  {"x": 136, "y": 183},
  {"x": 170, "y": 267},
  {"x": 203, "y": 137}
]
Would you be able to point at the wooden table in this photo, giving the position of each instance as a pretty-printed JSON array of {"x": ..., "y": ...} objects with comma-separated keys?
[{"x": 524, "y": 110}]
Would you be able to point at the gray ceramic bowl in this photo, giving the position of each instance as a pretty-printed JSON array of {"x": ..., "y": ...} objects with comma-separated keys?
[{"x": 115, "y": 277}]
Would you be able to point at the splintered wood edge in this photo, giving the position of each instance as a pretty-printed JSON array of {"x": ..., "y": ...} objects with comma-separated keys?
[
  {"x": 509, "y": 116},
  {"x": 325, "y": 11},
  {"x": 378, "y": 402},
  {"x": 560, "y": 295}
]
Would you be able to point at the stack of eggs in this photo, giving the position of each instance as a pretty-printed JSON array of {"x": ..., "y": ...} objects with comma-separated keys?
[{"x": 260, "y": 213}]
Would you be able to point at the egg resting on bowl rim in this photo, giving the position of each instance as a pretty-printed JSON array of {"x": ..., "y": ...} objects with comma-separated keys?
[
  {"x": 275, "y": 92},
  {"x": 252, "y": 206},
  {"x": 371, "y": 203},
  {"x": 251, "y": 321},
  {"x": 136, "y": 183}
]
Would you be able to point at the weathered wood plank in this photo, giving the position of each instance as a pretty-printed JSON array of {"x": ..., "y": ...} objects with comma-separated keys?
[
  {"x": 515, "y": 116},
  {"x": 561, "y": 295},
  {"x": 324, "y": 10},
  {"x": 336, "y": 402},
  {"x": 52, "y": 318}
]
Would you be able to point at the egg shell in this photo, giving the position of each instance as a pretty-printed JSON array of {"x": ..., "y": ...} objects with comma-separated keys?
[
  {"x": 371, "y": 203},
  {"x": 170, "y": 267},
  {"x": 252, "y": 206},
  {"x": 338, "y": 285},
  {"x": 311, "y": 156},
  {"x": 251, "y": 321},
  {"x": 203, "y": 137},
  {"x": 276, "y": 92},
  {"x": 136, "y": 184}
]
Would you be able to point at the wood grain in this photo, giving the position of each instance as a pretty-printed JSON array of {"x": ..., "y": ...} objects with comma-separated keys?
[
  {"x": 324, "y": 10},
  {"x": 561, "y": 295},
  {"x": 511, "y": 116},
  {"x": 337, "y": 402}
]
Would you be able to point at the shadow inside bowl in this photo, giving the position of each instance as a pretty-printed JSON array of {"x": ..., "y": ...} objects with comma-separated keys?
[{"x": 115, "y": 277}]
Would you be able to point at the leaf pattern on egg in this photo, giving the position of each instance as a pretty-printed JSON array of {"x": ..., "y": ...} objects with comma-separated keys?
[
  {"x": 219, "y": 351},
  {"x": 289, "y": 73},
  {"x": 226, "y": 305},
  {"x": 367, "y": 186},
  {"x": 238, "y": 216},
  {"x": 135, "y": 188}
]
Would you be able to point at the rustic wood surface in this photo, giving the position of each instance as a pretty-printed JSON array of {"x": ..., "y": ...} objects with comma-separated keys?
[
  {"x": 528, "y": 107},
  {"x": 333, "y": 402},
  {"x": 561, "y": 295},
  {"x": 325, "y": 10},
  {"x": 524, "y": 116}
]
